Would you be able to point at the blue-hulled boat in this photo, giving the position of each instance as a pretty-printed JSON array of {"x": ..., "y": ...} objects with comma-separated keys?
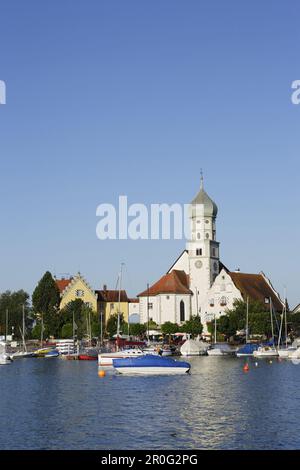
[
  {"x": 247, "y": 350},
  {"x": 150, "y": 364}
]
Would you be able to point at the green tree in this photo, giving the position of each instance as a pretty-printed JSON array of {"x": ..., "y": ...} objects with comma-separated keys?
[
  {"x": 192, "y": 326},
  {"x": 112, "y": 325},
  {"x": 169, "y": 328},
  {"x": 11, "y": 307},
  {"x": 137, "y": 329},
  {"x": 45, "y": 301},
  {"x": 82, "y": 315},
  {"x": 67, "y": 330}
]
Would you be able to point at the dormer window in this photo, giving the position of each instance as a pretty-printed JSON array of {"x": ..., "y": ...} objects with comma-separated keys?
[{"x": 79, "y": 293}]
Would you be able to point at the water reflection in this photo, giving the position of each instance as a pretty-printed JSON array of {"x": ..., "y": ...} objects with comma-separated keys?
[{"x": 65, "y": 405}]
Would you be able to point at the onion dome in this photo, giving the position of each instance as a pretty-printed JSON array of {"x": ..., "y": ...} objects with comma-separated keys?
[{"x": 210, "y": 207}]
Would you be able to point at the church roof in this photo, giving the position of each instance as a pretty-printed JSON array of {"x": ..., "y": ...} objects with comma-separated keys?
[
  {"x": 63, "y": 283},
  {"x": 210, "y": 207},
  {"x": 256, "y": 287},
  {"x": 175, "y": 282},
  {"x": 111, "y": 295}
]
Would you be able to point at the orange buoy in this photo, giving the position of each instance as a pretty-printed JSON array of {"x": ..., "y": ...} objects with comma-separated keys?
[
  {"x": 246, "y": 367},
  {"x": 101, "y": 373}
]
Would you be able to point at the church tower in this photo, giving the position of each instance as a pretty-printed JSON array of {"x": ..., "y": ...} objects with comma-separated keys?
[{"x": 203, "y": 249}]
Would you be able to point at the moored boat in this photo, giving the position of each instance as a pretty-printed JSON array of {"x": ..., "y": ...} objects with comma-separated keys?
[
  {"x": 151, "y": 365},
  {"x": 106, "y": 359},
  {"x": 194, "y": 348},
  {"x": 221, "y": 349},
  {"x": 4, "y": 357},
  {"x": 247, "y": 350},
  {"x": 266, "y": 351}
]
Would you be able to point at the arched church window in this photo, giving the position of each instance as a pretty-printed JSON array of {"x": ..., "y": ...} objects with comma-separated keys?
[
  {"x": 223, "y": 301},
  {"x": 182, "y": 311},
  {"x": 207, "y": 235},
  {"x": 198, "y": 236}
]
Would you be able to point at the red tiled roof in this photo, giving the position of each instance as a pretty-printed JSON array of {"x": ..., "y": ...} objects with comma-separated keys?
[
  {"x": 256, "y": 288},
  {"x": 111, "y": 296},
  {"x": 63, "y": 283},
  {"x": 133, "y": 301},
  {"x": 175, "y": 282}
]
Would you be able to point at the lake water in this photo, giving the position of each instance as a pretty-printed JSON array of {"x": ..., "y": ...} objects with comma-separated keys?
[{"x": 55, "y": 404}]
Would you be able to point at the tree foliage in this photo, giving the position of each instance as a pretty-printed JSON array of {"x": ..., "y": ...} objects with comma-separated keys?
[
  {"x": 11, "y": 305},
  {"x": 137, "y": 329},
  {"x": 112, "y": 325},
  {"x": 82, "y": 314},
  {"x": 193, "y": 326},
  {"x": 45, "y": 301},
  {"x": 169, "y": 328}
]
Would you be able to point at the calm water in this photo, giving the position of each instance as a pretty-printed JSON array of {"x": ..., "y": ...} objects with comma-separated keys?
[{"x": 55, "y": 404}]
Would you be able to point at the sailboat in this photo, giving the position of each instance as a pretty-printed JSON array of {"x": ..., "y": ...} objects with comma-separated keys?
[
  {"x": 220, "y": 349},
  {"x": 24, "y": 353},
  {"x": 4, "y": 357},
  {"x": 284, "y": 351},
  {"x": 249, "y": 348},
  {"x": 268, "y": 351},
  {"x": 106, "y": 358}
]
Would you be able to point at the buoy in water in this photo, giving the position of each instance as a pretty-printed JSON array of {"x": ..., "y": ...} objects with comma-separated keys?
[
  {"x": 101, "y": 373},
  {"x": 271, "y": 362},
  {"x": 246, "y": 367}
]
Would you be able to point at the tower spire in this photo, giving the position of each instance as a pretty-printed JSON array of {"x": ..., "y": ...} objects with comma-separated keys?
[{"x": 201, "y": 179}]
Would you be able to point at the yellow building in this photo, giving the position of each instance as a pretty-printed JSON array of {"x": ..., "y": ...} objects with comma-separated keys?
[
  {"x": 108, "y": 303},
  {"x": 76, "y": 288}
]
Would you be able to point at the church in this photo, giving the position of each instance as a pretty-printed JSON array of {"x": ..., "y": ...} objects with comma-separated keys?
[{"x": 198, "y": 283}]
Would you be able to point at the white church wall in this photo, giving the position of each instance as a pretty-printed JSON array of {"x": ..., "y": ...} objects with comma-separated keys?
[{"x": 219, "y": 298}]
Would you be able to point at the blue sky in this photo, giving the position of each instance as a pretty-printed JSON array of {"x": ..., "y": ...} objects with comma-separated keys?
[{"x": 135, "y": 97}]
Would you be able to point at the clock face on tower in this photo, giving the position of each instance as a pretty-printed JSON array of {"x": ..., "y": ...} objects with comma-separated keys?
[{"x": 198, "y": 264}]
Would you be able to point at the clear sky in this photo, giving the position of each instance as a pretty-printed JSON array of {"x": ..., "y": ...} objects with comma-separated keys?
[{"x": 135, "y": 97}]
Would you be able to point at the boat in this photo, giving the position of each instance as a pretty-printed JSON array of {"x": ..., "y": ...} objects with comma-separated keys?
[
  {"x": 51, "y": 354},
  {"x": 285, "y": 351},
  {"x": 151, "y": 365},
  {"x": 24, "y": 353},
  {"x": 106, "y": 359},
  {"x": 194, "y": 348},
  {"x": 158, "y": 350},
  {"x": 266, "y": 351},
  {"x": 221, "y": 349},
  {"x": 4, "y": 357},
  {"x": 42, "y": 352},
  {"x": 247, "y": 350}
]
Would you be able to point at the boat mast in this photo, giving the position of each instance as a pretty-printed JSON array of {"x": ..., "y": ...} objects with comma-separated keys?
[
  {"x": 6, "y": 325},
  {"x": 24, "y": 343},
  {"x": 271, "y": 313},
  {"x": 119, "y": 308},
  {"x": 247, "y": 319},
  {"x": 285, "y": 317},
  {"x": 147, "y": 313}
]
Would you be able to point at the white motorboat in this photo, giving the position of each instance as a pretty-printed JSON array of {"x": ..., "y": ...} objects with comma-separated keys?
[
  {"x": 22, "y": 355},
  {"x": 294, "y": 354},
  {"x": 4, "y": 357},
  {"x": 286, "y": 352},
  {"x": 106, "y": 359},
  {"x": 221, "y": 349},
  {"x": 193, "y": 348},
  {"x": 151, "y": 365},
  {"x": 158, "y": 350},
  {"x": 266, "y": 351}
]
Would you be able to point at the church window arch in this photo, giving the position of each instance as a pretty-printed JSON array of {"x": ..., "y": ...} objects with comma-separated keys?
[{"x": 182, "y": 311}]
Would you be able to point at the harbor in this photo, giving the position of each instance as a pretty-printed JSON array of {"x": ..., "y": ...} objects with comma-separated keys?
[{"x": 59, "y": 404}]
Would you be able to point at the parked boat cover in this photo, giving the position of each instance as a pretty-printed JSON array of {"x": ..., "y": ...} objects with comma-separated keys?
[
  {"x": 248, "y": 349},
  {"x": 193, "y": 347},
  {"x": 149, "y": 360}
]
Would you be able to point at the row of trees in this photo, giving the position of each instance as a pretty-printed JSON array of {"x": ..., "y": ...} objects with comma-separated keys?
[
  {"x": 45, "y": 313},
  {"x": 259, "y": 321}
]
